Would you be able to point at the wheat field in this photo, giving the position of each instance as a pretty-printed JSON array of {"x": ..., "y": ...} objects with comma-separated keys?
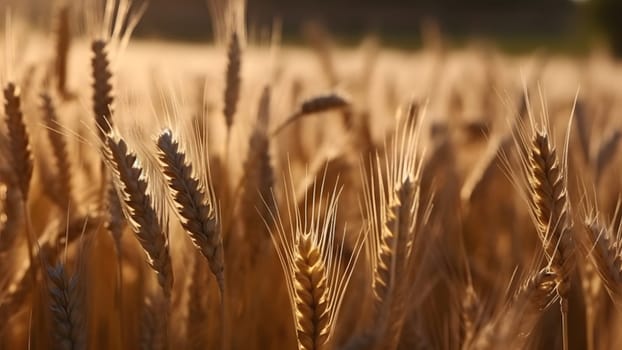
[{"x": 244, "y": 194}]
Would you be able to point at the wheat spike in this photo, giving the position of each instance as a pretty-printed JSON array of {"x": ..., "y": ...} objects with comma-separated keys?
[
  {"x": 258, "y": 173},
  {"x": 139, "y": 209},
  {"x": 551, "y": 208},
  {"x": 102, "y": 87},
  {"x": 604, "y": 251},
  {"x": 314, "y": 105},
  {"x": 391, "y": 216},
  {"x": 310, "y": 288},
  {"x": 19, "y": 143},
  {"x": 62, "y": 34},
  {"x": 232, "y": 88},
  {"x": 193, "y": 205},
  {"x": 315, "y": 281},
  {"x": 59, "y": 149},
  {"x": 66, "y": 304}
]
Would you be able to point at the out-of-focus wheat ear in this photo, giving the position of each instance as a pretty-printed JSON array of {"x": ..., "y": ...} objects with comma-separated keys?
[
  {"x": 19, "y": 142},
  {"x": 233, "y": 81},
  {"x": 257, "y": 200},
  {"x": 583, "y": 128},
  {"x": 314, "y": 105},
  {"x": 10, "y": 217},
  {"x": 604, "y": 250},
  {"x": 138, "y": 208},
  {"x": 67, "y": 307},
  {"x": 193, "y": 204},
  {"x": 470, "y": 310},
  {"x": 59, "y": 234},
  {"x": 154, "y": 323},
  {"x": 518, "y": 318},
  {"x": 196, "y": 323},
  {"x": 16, "y": 294},
  {"x": 59, "y": 150},
  {"x": 532, "y": 298},
  {"x": 606, "y": 152},
  {"x": 102, "y": 87},
  {"x": 62, "y": 32}
]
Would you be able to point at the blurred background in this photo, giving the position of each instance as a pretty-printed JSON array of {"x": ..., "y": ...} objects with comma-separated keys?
[
  {"x": 571, "y": 26},
  {"x": 513, "y": 25}
]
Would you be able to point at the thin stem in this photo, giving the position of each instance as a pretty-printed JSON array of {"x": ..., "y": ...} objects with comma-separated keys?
[
  {"x": 30, "y": 241},
  {"x": 563, "y": 303},
  {"x": 120, "y": 295},
  {"x": 590, "y": 327},
  {"x": 224, "y": 329}
]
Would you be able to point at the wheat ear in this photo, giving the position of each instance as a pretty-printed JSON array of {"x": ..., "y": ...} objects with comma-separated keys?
[
  {"x": 604, "y": 251},
  {"x": 19, "y": 142},
  {"x": 62, "y": 33},
  {"x": 258, "y": 172},
  {"x": 519, "y": 316},
  {"x": 314, "y": 105},
  {"x": 391, "y": 213},
  {"x": 59, "y": 149},
  {"x": 316, "y": 283},
  {"x": 56, "y": 235},
  {"x": 551, "y": 207},
  {"x": 233, "y": 81},
  {"x": 66, "y": 304},
  {"x": 546, "y": 178},
  {"x": 21, "y": 156},
  {"x": 102, "y": 87},
  {"x": 193, "y": 205},
  {"x": 139, "y": 210}
]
